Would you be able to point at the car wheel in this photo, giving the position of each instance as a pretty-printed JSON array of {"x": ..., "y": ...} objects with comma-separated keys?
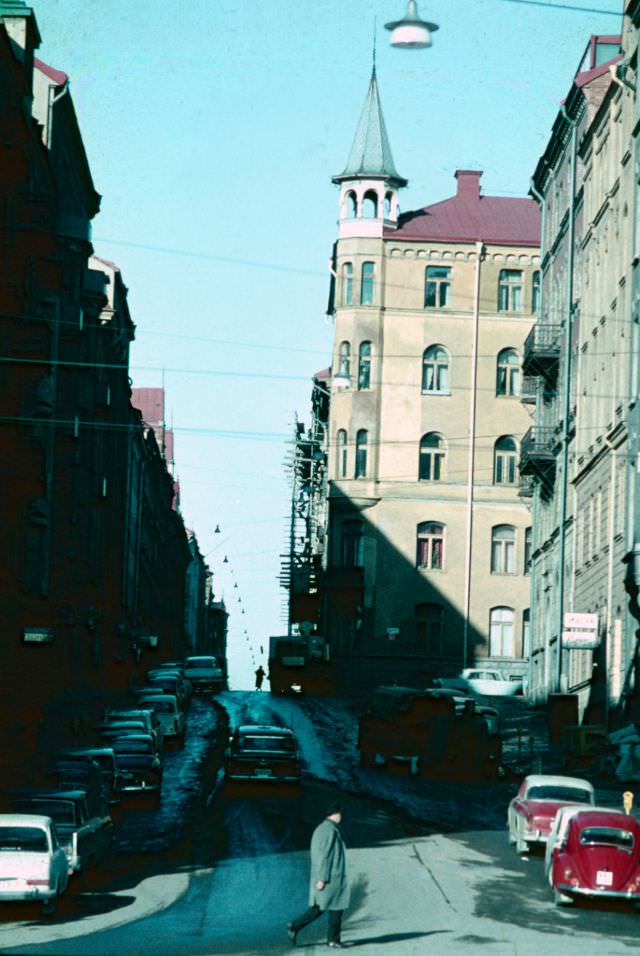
[{"x": 561, "y": 899}]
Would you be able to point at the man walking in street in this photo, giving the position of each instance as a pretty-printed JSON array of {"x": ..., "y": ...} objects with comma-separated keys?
[
  {"x": 328, "y": 887},
  {"x": 260, "y": 673}
]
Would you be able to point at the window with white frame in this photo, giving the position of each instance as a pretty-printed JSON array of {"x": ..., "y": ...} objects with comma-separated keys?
[
  {"x": 501, "y": 621},
  {"x": 510, "y": 290},
  {"x": 361, "y": 454},
  {"x": 342, "y": 448},
  {"x": 430, "y": 545},
  {"x": 352, "y": 554},
  {"x": 430, "y": 627},
  {"x": 503, "y": 549},
  {"x": 347, "y": 283},
  {"x": 367, "y": 285},
  {"x": 435, "y": 370},
  {"x": 505, "y": 455},
  {"x": 508, "y": 373},
  {"x": 364, "y": 366},
  {"x": 437, "y": 287},
  {"x": 432, "y": 457}
]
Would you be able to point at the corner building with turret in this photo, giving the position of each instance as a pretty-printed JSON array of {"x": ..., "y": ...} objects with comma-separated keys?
[{"x": 429, "y": 525}]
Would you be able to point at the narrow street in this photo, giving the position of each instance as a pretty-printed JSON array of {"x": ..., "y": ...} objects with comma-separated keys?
[{"x": 221, "y": 868}]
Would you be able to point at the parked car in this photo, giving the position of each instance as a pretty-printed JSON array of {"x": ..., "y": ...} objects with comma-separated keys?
[
  {"x": 169, "y": 713},
  {"x": 484, "y": 681},
  {"x": 105, "y": 758},
  {"x": 84, "y": 837},
  {"x": 263, "y": 752},
  {"x": 139, "y": 764},
  {"x": 33, "y": 865},
  {"x": 204, "y": 673},
  {"x": 171, "y": 684},
  {"x": 83, "y": 775},
  {"x": 112, "y": 730},
  {"x": 148, "y": 717},
  {"x": 172, "y": 671},
  {"x": 464, "y": 702},
  {"x": 532, "y": 811},
  {"x": 596, "y": 853}
]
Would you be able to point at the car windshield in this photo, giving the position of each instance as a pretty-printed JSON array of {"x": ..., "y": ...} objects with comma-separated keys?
[
  {"x": 607, "y": 836},
  {"x": 132, "y": 746},
  {"x": 23, "y": 838},
  {"x": 560, "y": 794},
  {"x": 60, "y": 811},
  {"x": 264, "y": 742}
]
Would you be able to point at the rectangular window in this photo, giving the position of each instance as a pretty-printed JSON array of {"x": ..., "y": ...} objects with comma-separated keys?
[
  {"x": 510, "y": 290},
  {"x": 367, "y": 287},
  {"x": 437, "y": 290}
]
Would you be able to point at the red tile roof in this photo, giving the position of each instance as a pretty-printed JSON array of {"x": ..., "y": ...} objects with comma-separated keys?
[
  {"x": 471, "y": 217},
  {"x": 57, "y": 76},
  {"x": 150, "y": 401}
]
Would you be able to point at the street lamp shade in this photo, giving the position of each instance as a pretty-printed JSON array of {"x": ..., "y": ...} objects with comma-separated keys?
[
  {"x": 217, "y": 529},
  {"x": 411, "y": 33},
  {"x": 226, "y": 560}
]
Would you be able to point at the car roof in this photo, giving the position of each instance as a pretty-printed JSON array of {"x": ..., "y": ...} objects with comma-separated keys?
[
  {"x": 555, "y": 780},
  {"x": 85, "y": 751},
  {"x": 605, "y": 817},
  {"x": 267, "y": 729},
  {"x": 24, "y": 820},
  {"x": 163, "y": 697},
  {"x": 52, "y": 794}
]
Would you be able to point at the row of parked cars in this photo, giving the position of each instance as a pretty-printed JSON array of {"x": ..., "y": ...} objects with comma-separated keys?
[
  {"x": 590, "y": 851},
  {"x": 51, "y": 833}
]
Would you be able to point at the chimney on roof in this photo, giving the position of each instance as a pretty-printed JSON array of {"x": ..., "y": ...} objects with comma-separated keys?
[{"x": 468, "y": 183}]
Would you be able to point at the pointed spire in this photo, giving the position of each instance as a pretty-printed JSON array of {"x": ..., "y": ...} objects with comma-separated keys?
[{"x": 370, "y": 154}]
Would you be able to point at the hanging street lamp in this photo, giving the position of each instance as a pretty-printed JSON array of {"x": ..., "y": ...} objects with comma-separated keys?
[{"x": 411, "y": 33}]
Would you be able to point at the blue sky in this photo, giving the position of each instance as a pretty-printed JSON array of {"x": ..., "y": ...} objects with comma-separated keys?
[{"x": 213, "y": 130}]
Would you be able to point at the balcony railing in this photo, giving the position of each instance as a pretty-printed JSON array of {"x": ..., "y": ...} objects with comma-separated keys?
[
  {"x": 529, "y": 390},
  {"x": 537, "y": 451},
  {"x": 542, "y": 350}
]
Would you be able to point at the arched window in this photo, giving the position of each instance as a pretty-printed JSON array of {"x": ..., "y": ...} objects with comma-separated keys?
[
  {"x": 364, "y": 365},
  {"x": 503, "y": 549},
  {"x": 344, "y": 359},
  {"x": 528, "y": 548},
  {"x": 501, "y": 632},
  {"x": 429, "y": 627},
  {"x": 526, "y": 632},
  {"x": 361, "y": 454},
  {"x": 535, "y": 292},
  {"x": 435, "y": 370},
  {"x": 432, "y": 454},
  {"x": 437, "y": 287},
  {"x": 504, "y": 461},
  {"x": 370, "y": 205},
  {"x": 508, "y": 373},
  {"x": 430, "y": 545},
  {"x": 347, "y": 283},
  {"x": 387, "y": 205},
  {"x": 367, "y": 285},
  {"x": 510, "y": 290},
  {"x": 342, "y": 453},
  {"x": 351, "y": 205},
  {"x": 352, "y": 551}
]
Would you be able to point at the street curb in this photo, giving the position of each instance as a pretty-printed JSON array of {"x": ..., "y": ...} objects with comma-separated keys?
[{"x": 154, "y": 894}]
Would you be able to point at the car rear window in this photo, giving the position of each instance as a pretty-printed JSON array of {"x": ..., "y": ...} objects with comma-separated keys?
[
  {"x": 264, "y": 742},
  {"x": 163, "y": 706},
  {"x": 60, "y": 811},
  {"x": 131, "y": 746},
  {"x": 23, "y": 838},
  {"x": 607, "y": 836},
  {"x": 561, "y": 794}
]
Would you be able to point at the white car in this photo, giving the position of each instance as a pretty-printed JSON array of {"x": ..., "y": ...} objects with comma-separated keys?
[
  {"x": 533, "y": 810},
  {"x": 483, "y": 680},
  {"x": 168, "y": 711},
  {"x": 33, "y": 865}
]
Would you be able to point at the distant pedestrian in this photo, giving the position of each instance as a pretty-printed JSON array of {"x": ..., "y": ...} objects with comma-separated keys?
[
  {"x": 260, "y": 674},
  {"x": 328, "y": 887}
]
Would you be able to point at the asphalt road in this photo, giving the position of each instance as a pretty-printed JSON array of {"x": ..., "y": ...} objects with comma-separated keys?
[{"x": 233, "y": 869}]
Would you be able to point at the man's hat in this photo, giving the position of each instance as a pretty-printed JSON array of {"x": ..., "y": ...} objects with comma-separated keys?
[{"x": 333, "y": 807}]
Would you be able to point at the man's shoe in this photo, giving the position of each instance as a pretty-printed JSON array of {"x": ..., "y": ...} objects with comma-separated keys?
[{"x": 292, "y": 933}]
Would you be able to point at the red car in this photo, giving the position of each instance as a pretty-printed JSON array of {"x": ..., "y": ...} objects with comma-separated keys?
[
  {"x": 596, "y": 852},
  {"x": 540, "y": 796}
]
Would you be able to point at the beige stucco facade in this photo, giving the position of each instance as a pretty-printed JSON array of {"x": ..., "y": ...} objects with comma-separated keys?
[{"x": 435, "y": 618}]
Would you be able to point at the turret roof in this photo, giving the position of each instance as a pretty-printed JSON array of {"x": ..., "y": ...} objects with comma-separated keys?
[{"x": 370, "y": 154}]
